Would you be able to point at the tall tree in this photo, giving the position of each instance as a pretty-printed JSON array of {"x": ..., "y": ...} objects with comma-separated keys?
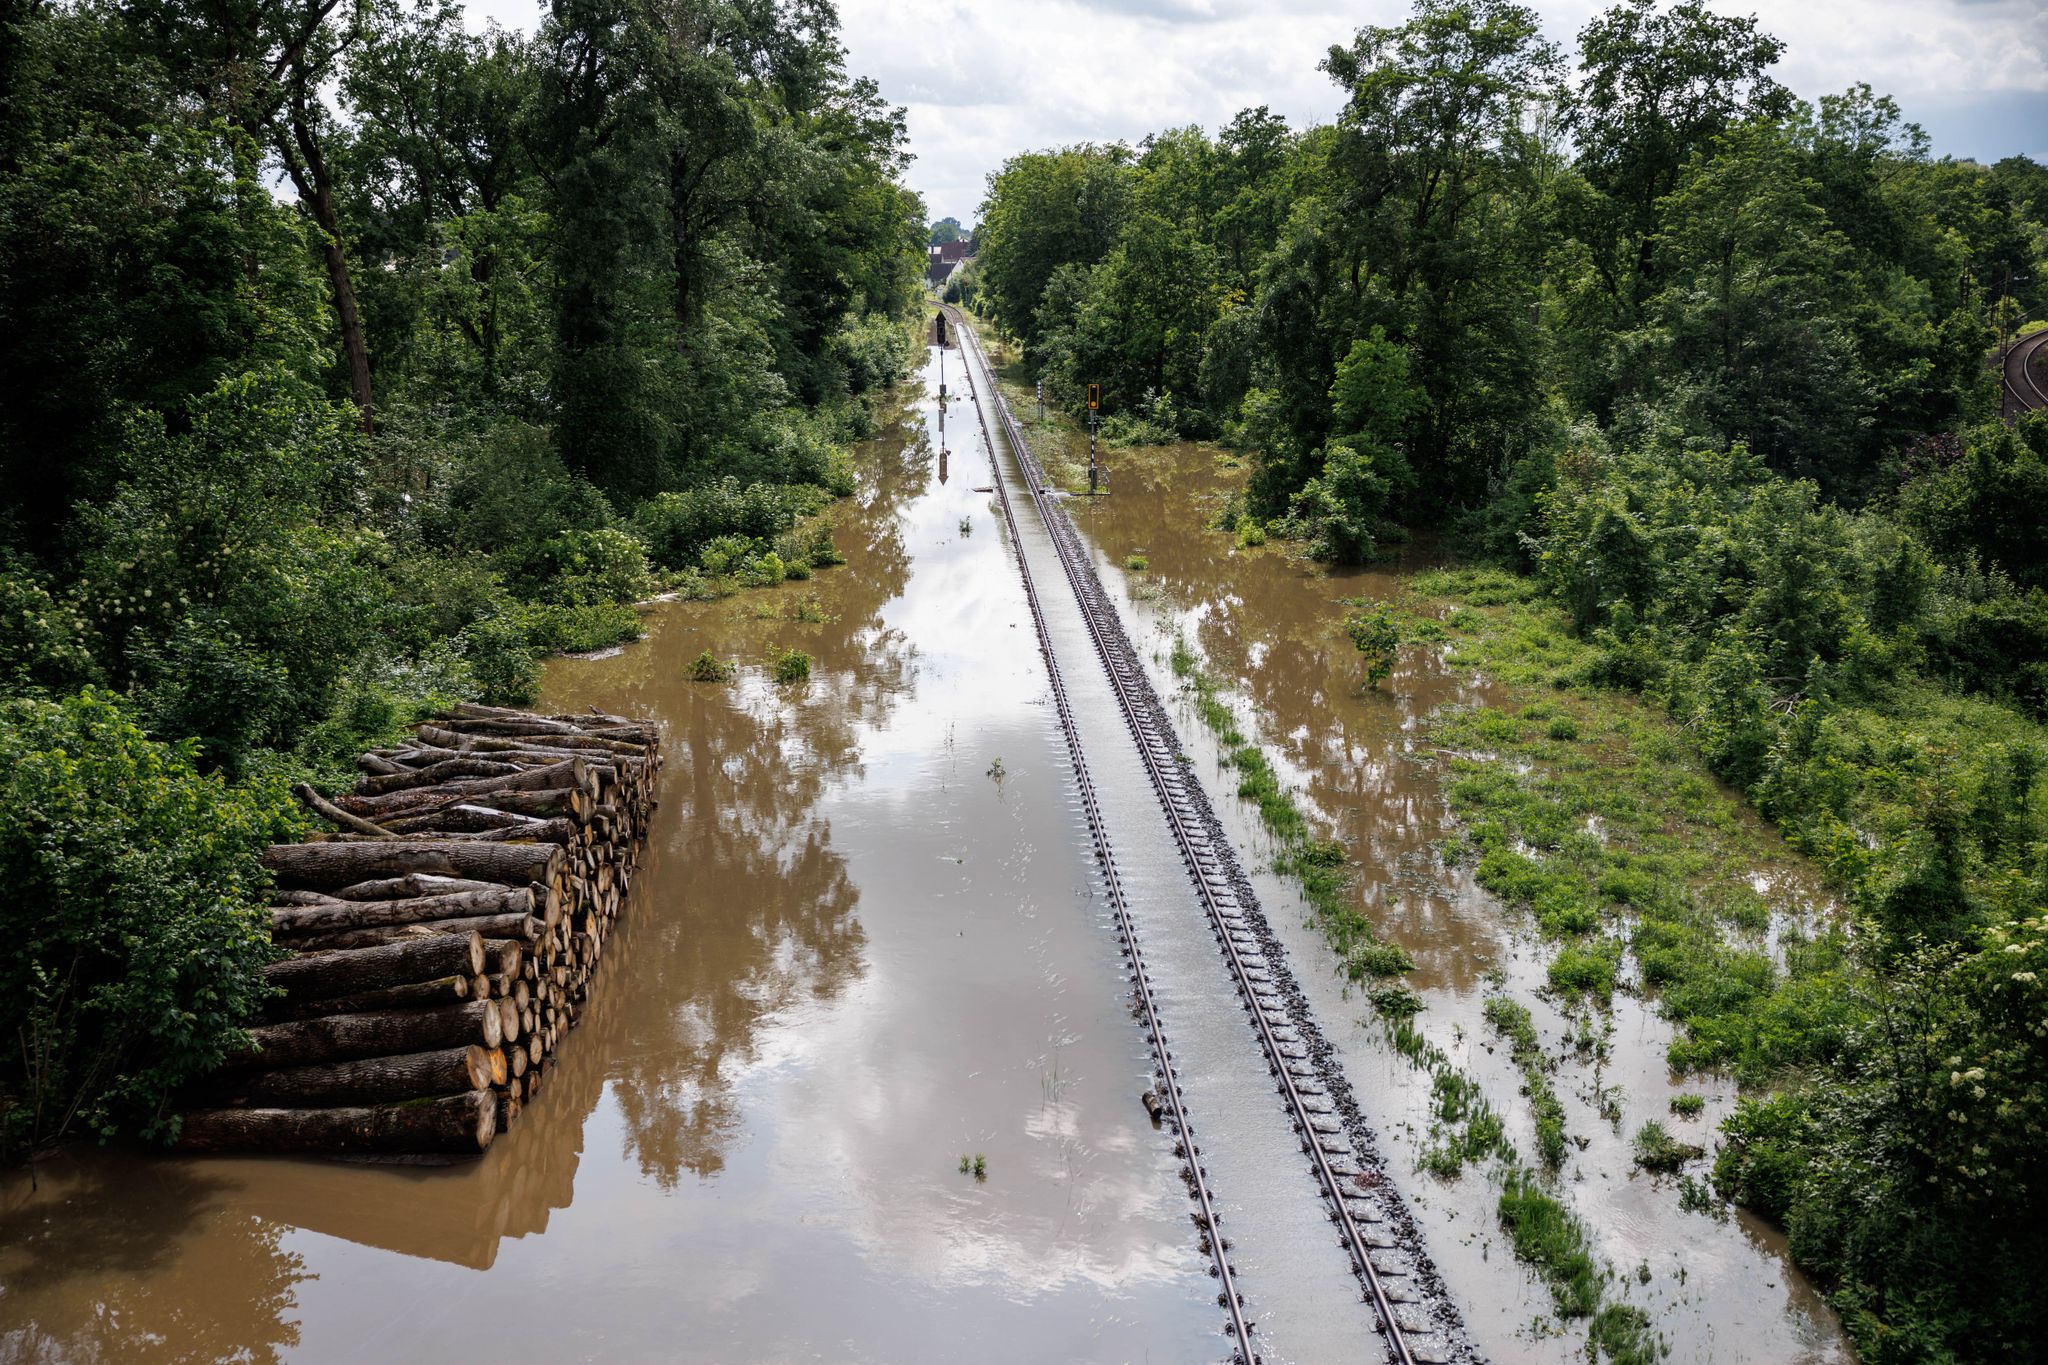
[
  {"x": 1433, "y": 161},
  {"x": 267, "y": 64},
  {"x": 436, "y": 162},
  {"x": 1658, "y": 87},
  {"x": 1044, "y": 210}
]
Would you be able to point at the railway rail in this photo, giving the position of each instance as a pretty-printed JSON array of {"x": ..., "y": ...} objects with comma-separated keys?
[
  {"x": 2020, "y": 368},
  {"x": 1355, "y": 1201}
]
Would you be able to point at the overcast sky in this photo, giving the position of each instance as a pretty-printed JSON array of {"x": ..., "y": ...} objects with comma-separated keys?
[{"x": 983, "y": 81}]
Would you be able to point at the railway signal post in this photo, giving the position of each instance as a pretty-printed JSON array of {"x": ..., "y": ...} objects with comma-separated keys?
[{"x": 1094, "y": 413}]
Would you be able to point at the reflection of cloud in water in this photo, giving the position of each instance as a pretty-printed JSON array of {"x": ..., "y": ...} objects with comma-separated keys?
[{"x": 948, "y": 1232}]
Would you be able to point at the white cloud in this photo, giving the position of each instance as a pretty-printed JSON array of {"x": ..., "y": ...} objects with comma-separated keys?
[{"x": 981, "y": 81}]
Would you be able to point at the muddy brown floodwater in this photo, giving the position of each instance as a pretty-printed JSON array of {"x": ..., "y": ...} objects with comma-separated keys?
[
  {"x": 1269, "y": 628},
  {"x": 866, "y": 943}
]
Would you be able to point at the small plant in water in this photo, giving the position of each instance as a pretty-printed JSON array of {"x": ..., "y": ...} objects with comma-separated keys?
[
  {"x": 1688, "y": 1106},
  {"x": 1657, "y": 1150},
  {"x": 980, "y": 1166},
  {"x": 966, "y": 526},
  {"x": 707, "y": 667},
  {"x": 1377, "y": 635},
  {"x": 997, "y": 772},
  {"x": 791, "y": 666},
  {"x": 1136, "y": 563},
  {"x": 966, "y": 1163}
]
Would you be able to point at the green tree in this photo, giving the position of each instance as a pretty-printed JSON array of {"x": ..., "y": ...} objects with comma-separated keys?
[
  {"x": 138, "y": 929},
  {"x": 1045, "y": 210},
  {"x": 1432, "y": 160},
  {"x": 1658, "y": 88}
]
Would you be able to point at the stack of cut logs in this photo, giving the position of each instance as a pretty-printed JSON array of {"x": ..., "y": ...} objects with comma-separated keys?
[{"x": 444, "y": 938}]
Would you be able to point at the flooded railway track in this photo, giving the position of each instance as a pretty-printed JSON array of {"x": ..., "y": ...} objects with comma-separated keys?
[{"x": 1413, "y": 1316}]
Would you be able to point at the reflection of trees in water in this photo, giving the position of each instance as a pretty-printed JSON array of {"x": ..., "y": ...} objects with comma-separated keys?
[
  {"x": 1273, "y": 637},
  {"x": 745, "y": 908},
  {"x": 99, "y": 1266}
]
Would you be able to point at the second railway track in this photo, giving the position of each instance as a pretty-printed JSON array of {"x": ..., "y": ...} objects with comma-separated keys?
[
  {"x": 2020, "y": 373},
  {"x": 1400, "y": 1288}
]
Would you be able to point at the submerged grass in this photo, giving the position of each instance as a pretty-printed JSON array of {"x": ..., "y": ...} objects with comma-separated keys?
[
  {"x": 1465, "y": 1129},
  {"x": 1588, "y": 809},
  {"x": 1317, "y": 865},
  {"x": 1514, "y": 1022}
]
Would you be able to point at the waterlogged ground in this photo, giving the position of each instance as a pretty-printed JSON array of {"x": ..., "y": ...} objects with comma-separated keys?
[
  {"x": 865, "y": 944},
  {"x": 1716, "y": 1284}
]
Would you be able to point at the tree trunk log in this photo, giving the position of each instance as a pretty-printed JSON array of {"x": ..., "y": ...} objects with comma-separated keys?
[
  {"x": 570, "y": 802},
  {"x": 525, "y": 927},
  {"x": 593, "y": 718},
  {"x": 381, "y": 1033},
  {"x": 334, "y": 815},
  {"x": 442, "y": 990},
  {"x": 453, "y": 770},
  {"x": 463, "y": 1123},
  {"x": 370, "y": 1080},
  {"x": 338, "y": 864},
  {"x": 323, "y": 976},
  {"x": 313, "y": 919},
  {"x": 406, "y": 888},
  {"x": 468, "y": 739},
  {"x": 525, "y": 832},
  {"x": 466, "y": 817}
]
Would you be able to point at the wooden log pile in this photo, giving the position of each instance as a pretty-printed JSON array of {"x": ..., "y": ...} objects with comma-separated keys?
[{"x": 445, "y": 938}]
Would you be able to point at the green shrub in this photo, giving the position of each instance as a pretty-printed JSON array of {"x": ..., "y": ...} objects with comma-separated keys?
[
  {"x": 708, "y": 667},
  {"x": 1376, "y": 634},
  {"x": 601, "y": 565},
  {"x": 1657, "y": 1150},
  {"x": 511, "y": 497},
  {"x": 501, "y": 659},
  {"x": 1343, "y": 511},
  {"x": 1585, "y": 971},
  {"x": 1544, "y": 1234},
  {"x": 45, "y": 643},
  {"x": 791, "y": 666},
  {"x": 1688, "y": 1106},
  {"x": 1621, "y": 1333},
  {"x": 224, "y": 579},
  {"x": 554, "y": 628},
  {"x": 436, "y": 596},
  {"x": 377, "y": 698},
  {"x": 135, "y": 927},
  {"x": 1136, "y": 563},
  {"x": 1379, "y": 959},
  {"x": 678, "y": 527}
]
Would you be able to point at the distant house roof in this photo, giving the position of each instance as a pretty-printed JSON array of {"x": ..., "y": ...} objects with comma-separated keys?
[{"x": 943, "y": 258}]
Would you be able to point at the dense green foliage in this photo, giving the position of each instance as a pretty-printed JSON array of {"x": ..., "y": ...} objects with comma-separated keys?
[
  {"x": 544, "y": 326},
  {"x": 1704, "y": 365},
  {"x": 135, "y": 931},
  {"x": 1396, "y": 312}
]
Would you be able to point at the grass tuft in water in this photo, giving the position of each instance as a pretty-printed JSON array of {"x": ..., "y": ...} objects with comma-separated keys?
[
  {"x": 707, "y": 667},
  {"x": 1657, "y": 1150},
  {"x": 1514, "y": 1022}
]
